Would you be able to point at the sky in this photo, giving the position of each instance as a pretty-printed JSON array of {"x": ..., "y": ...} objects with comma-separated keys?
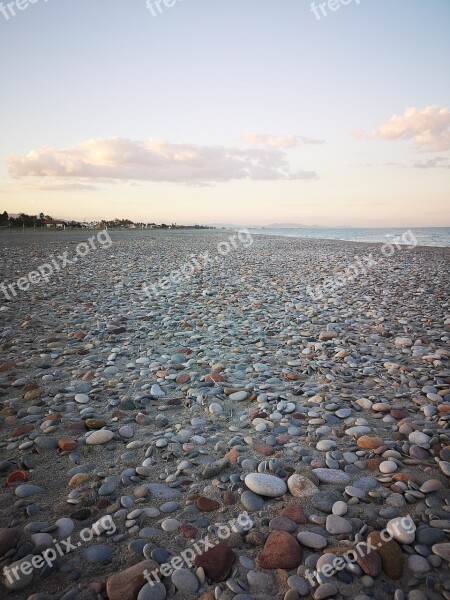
[{"x": 243, "y": 112}]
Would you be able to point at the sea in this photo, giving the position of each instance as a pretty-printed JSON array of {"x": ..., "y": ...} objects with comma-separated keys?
[{"x": 424, "y": 236}]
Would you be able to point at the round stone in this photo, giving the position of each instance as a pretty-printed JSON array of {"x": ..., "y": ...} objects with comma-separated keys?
[
  {"x": 152, "y": 591},
  {"x": 265, "y": 485},
  {"x": 184, "y": 580},
  {"x": 301, "y": 487},
  {"x": 82, "y": 398},
  {"x": 332, "y": 476},
  {"x": 402, "y": 529},
  {"x": 388, "y": 466}
]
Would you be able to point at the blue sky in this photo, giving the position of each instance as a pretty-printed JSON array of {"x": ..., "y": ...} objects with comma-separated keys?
[{"x": 249, "y": 111}]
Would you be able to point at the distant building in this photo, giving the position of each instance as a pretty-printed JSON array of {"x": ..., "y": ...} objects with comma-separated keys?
[{"x": 52, "y": 224}]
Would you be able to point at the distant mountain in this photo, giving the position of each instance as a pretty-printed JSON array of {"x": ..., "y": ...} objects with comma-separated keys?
[{"x": 288, "y": 226}]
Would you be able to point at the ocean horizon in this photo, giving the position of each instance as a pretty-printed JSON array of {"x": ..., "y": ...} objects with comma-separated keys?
[{"x": 425, "y": 236}]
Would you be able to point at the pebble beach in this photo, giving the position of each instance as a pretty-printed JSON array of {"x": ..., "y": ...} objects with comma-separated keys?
[{"x": 227, "y": 403}]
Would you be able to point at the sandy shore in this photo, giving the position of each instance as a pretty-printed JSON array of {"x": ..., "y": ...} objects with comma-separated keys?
[{"x": 205, "y": 357}]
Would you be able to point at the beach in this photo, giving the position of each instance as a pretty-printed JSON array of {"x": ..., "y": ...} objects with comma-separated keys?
[{"x": 293, "y": 394}]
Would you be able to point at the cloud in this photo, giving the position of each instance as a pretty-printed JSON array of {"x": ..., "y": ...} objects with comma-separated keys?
[
  {"x": 154, "y": 160},
  {"x": 277, "y": 141},
  {"x": 429, "y": 128},
  {"x": 435, "y": 162}
]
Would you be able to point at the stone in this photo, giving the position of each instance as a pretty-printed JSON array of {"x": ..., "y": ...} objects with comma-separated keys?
[
  {"x": 312, "y": 540},
  {"x": 295, "y": 513},
  {"x": 369, "y": 560},
  {"x": 126, "y": 584},
  {"x": 442, "y": 550},
  {"x": 390, "y": 553},
  {"x": 281, "y": 551},
  {"x": 16, "y": 579},
  {"x": 402, "y": 529},
  {"x": 301, "y": 487},
  {"x": 418, "y": 564},
  {"x": 101, "y": 436},
  {"x": 265, "y": 485},
  {"x": 251, "y": 501},
  {"x": 332, "y": 476},
  {"x": 388, "y": 466},
  {"x": 9, "y": 538},
  {"x": 217, "y": 562},
  {"x": 207, "y": 504},
  {"x": 185, "y": 580},
  {"x": 369, "y": 442},
  {"x": 325, "y": 590},
  {"x": 28, "y": 489},
  {"x": 420, "y": 439},
  {"x": 337, "y": 525},
  {"x": 152, "y": 591}
]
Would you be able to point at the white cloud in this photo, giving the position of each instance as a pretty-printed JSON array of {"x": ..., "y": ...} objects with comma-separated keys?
[
  {"x": 277, "y": 141},
  {"x": 154, "y": 160},
  {"x": 429, "y": 128}
]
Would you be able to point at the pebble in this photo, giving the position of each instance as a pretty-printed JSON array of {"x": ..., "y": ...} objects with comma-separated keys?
[
  {"x": 265, "y": 485},
  {"x": 224, "y": 395}
]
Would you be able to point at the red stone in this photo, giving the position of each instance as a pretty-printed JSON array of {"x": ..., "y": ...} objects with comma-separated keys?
[
  {"x": 207, "y": 504},
  {"x": 264, "y": 449},
  {"x": 281, "y": 551},
  {"x": 229, "y": 498},
  {"x": 216, "y": 562},
  {"x": 183, "y": 378},
  {"x": 188, "y": 531},
  {"x": 66, "y": 445},
  {"x": 295, "y": 513},
  {"x": 22, "y": 430}
]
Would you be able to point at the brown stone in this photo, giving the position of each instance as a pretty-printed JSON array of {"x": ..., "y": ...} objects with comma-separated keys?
[
  {"x": 373, "y": 464},
  {"x": 183, "y": 378},
  {"x": 404, "y": 477},
  {"x": 281, "y": 551},
  {"x": 67, "y": 445},
  {"x": 229, "y": 498},
  {"x": 125, "y": 585},
  {"x": 369, "y": 560},
  {"x": 295, "y": 513},
  {"x": 95, "y": 423},
  {"x": 22, "y": 430},
  {"x": 216, "y": 562},
  {"x": 232, "y": 455},
  {"x": 264, "y": 449},
  {"x": 390, "y": 553},
  {"x": 52, "y": 417},
  {"x": 369, "y": 442},
  {"x": 214, "y": 377},
  {"x": 9, "y": 538},
  {"x": 207, "y": 504},
  {"x": 30, "y": 386},
  {"x": 188, "y": 531},
  {"x": 7, "y": 366},
  {"x": 78, "y": 479},
  {"x": 32, "y": 394}
]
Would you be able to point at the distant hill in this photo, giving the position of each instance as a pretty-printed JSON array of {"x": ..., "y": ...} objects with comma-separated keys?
[{"x": 288, "y": 226}]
